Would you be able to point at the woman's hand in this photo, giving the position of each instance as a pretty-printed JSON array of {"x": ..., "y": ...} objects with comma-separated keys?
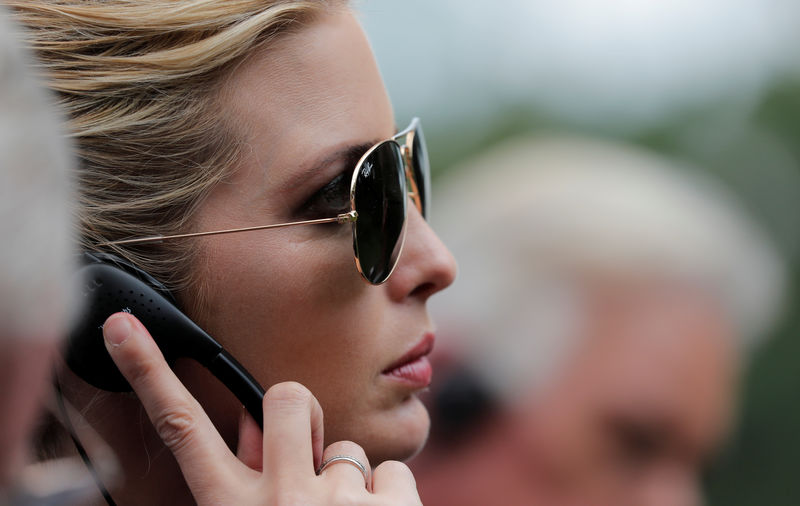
[{"x": 278, "y": 468}]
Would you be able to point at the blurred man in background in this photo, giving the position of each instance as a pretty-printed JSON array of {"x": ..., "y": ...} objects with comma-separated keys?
[
  {"x": 36, "y": 254},
  {"x": 606, "y": 303}
]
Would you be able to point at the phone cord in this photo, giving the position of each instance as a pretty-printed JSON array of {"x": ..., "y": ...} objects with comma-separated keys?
[{"x": 81, "y": 450}]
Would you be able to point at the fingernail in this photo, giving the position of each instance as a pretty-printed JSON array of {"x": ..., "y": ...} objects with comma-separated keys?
[{"x": 116, "y": 330}]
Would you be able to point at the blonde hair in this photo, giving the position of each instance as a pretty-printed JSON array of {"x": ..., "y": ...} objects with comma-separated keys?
[{"x": 138, "y": 82}]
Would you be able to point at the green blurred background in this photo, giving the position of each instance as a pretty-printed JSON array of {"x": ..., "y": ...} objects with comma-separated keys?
[{"x": 712, "y": 82}]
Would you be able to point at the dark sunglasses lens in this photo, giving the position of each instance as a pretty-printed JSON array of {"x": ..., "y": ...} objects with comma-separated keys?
[
  {"x": 380, "y": 199},
  {"x": 422, "y": 169}
]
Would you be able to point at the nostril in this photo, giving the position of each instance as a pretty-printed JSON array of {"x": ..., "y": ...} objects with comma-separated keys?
[{"x": 424, "y": 290}]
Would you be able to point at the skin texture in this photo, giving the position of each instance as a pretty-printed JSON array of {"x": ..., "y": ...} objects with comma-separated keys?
[
  {"x": 631, "y": 418},
  {"x": 288, "y": 452},
  {"x": 289, "y": 303}
]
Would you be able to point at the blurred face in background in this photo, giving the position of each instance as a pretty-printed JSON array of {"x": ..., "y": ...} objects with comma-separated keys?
[
  {"x": 631, "y": 416},
  {"x": 637, "y": 411},
  {"x": 25, "y": 363}
]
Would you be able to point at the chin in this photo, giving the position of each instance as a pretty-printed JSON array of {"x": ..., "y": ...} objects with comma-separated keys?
[{"x": 401, "y": 435}]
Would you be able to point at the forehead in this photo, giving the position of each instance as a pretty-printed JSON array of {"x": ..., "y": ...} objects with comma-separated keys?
[{"x": 316, "y": 87}]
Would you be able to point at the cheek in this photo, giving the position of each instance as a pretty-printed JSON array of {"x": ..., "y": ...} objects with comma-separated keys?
[
  {"x": 565, "y": 428},
  {"x": 288, "y": 308},
  {"x": 298, "y": 310}
]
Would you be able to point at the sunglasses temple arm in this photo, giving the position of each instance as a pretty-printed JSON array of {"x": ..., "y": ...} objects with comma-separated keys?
[{"x": 349, "y": 217}]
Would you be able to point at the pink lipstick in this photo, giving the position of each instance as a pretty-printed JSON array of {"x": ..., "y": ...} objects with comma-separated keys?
[{"x": 414, "y": 368}]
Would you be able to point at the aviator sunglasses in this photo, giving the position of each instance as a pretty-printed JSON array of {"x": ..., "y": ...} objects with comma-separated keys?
[{"x": 383, "y": 179}]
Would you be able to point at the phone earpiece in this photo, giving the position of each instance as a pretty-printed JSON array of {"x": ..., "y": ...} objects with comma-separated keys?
[{"x": 110, "y": 285}]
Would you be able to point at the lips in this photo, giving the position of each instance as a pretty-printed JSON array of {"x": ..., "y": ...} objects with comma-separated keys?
[{"x": 413, "y": 368}]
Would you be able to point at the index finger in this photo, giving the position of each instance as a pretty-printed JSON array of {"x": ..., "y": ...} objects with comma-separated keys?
[
  {"x": 177, "y": 417},
  {"x": 293, "y": 433}
]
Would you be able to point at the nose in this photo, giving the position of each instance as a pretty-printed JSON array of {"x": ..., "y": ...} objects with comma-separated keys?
[
  {"x": 425, "y": 267},
  {"x": 674, "y": 487}
]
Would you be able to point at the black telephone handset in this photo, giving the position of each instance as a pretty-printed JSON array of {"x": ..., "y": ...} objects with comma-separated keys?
[{"x": 110, "y": 285}]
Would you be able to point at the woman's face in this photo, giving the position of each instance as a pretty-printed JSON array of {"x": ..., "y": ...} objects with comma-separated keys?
[{"x": 289, "y": 302}]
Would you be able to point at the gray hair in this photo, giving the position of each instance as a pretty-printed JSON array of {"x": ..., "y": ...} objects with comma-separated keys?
[
  {"x": 36, "y": 256},
  {"x": 531, "y": 217}
]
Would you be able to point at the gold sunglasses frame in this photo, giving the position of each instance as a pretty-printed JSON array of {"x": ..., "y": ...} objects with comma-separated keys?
[{"x": 406, "y": 150}]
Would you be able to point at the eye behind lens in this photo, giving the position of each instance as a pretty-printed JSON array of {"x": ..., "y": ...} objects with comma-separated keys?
[{"x": 380, "y": 198}]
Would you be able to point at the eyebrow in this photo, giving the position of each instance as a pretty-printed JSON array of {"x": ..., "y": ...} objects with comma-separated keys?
[{"x": 350, "y": 153}]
